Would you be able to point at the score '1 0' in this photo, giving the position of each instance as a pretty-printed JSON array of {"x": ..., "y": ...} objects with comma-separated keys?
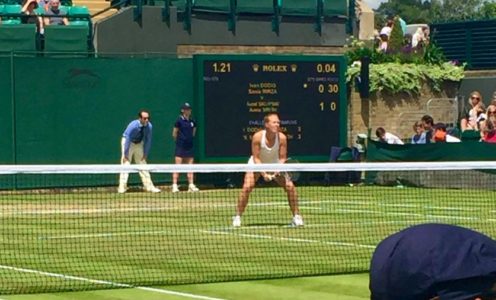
[{"x": 332, "y": 106}]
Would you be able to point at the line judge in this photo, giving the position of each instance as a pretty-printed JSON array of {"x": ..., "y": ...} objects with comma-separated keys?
[{"x": 135, "y": 145}]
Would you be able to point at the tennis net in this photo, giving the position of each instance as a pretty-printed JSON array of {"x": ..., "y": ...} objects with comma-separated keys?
[{"x": 66, "y": 228}]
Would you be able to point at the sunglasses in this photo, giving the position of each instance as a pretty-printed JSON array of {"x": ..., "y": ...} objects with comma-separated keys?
[
  {"x": 491, "y": 112},
  {"x": 475, "y": 98}
]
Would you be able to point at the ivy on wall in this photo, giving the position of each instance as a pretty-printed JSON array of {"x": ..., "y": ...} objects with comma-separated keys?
[
  {"x": 407, "y": 78},
  {"x": 403, "y": 71}
]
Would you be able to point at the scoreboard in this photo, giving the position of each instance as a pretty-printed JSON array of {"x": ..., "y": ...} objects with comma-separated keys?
[{"x": 235, "y": 92}]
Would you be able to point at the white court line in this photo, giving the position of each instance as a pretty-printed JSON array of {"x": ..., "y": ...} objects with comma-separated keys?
[
  {"x": 286, "y": 239},
  {"x": 105, "y": 282},
  {"x": 312, "y": 225},
  {"x": 8, "y": 213},
  {"x": 406, "y": 214},
  {"x": 160, "y": 232},
  {"x": 102, "y": 235},
  {"x": 125, "y": 209}
]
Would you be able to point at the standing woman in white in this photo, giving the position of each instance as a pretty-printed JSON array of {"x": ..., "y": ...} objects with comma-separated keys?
[{"x": 268, "y": 146}]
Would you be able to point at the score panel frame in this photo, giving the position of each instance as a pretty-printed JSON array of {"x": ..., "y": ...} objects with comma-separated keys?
[{"x": 233, "y": 68}]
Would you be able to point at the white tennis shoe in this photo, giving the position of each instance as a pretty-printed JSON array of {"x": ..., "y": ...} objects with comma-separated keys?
[
  {"x": 154, "y": 190},
  {"x": 297, "y": 221},
  {"x": 192, "y": 188},
  {"x": 121, "y": 190},
  {"x": 236, "y": 221},
  {"x": 175, "y": 188}
]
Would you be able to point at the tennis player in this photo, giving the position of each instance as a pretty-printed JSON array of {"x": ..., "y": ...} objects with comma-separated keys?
[
  {"x": 183, "y": 133},
  {"x": 135, "y": 145},
  {"x": 268, "y": 146}
]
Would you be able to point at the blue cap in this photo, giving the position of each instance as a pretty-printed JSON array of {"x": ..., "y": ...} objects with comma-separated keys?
[
  {"x": 429, "y": 260},
  {"x": 186, "y": 105}
]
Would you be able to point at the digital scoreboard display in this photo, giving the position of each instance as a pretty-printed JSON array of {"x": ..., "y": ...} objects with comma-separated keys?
[{"x": 234, "y": 93}]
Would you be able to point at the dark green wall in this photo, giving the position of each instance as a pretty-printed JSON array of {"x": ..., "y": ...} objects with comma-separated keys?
[
  {"x": 6, "y": 142},
  {"x": 70, "y": 110}
]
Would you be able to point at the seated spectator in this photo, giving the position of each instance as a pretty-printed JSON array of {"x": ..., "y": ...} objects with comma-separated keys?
[
  {"x": 386, "y": 137},
  {"x": 419, "y": 136},
  {"x": 45, "y": 4},
  {"x": 441, "y": 136},
  {"x": 30, "y": 16},
  {"x": 489, "y": 127},
  {"x": 475, "y": 114},
  {"x": 54, "y": 15},
  {"x": 428, "y": 125},
  {"x": 493, "y": 99},
  {"x": 434, "y": 261}
]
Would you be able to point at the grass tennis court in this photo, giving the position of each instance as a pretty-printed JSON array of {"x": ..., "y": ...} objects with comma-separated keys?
[
  {"x": 341, "y": 287},
  {"x": 74, "y": 240}
]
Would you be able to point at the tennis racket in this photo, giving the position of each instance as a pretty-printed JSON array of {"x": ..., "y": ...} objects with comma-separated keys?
[
  {"x": 288, "y": 176},
  {"x": 291, "y": 175}
]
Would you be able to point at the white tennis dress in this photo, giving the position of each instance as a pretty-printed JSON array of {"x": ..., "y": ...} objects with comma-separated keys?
[{"x": 268, "y": 155}]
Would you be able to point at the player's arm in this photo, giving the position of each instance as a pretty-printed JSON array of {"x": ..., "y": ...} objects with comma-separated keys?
[
  {"x": 256, "y": 144},
  {"x": 283, "y": 148}
]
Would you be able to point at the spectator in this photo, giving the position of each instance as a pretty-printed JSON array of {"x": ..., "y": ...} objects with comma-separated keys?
[
  {"x": 29, "y": 15},
  {"x": 434, "y": 261},
  {"x": 45, "y": 4},
  {"x": 402, "y": 24},
  {"x": 418, "y": 38},
  {"x": 54, "y": 15},
  {"x": 387, "y": 28},
  {"x": 440, "y": 135},
  {"x": 475, "y": 114},
  {"x": 493, "y": 99},
  {"x": 428, "y": 125},
  {"x": 426, "y": 33},
  {"x": 383, "y": 42},
  {"x": 419, "y": 136},
  {"x": 386, "y": 137},
  {"x": 489, "y": 127}
]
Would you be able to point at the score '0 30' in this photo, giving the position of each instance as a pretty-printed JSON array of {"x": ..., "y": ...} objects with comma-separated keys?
[{"x": 332, "y": 88}]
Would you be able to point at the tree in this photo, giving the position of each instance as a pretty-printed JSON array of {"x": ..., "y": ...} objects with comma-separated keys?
[
  {"x": 488, "y": 10},
  {"x": 437, "y": 11},
  {"x": 396, "y": 40},
  {"x": 412, "y": 11},
  {"x": 459, "y": 10}
]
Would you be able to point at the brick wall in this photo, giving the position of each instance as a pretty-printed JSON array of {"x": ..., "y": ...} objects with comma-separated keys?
[{"x": 190, "y": 50}]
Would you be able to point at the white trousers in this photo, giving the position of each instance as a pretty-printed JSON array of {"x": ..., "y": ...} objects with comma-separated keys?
[{"x": 136, "y": 155}]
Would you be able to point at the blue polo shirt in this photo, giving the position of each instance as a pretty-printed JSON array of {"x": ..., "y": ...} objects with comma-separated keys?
[
  {"x": 185, "y": 128},
  {"x": 135, "y": 133}
]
